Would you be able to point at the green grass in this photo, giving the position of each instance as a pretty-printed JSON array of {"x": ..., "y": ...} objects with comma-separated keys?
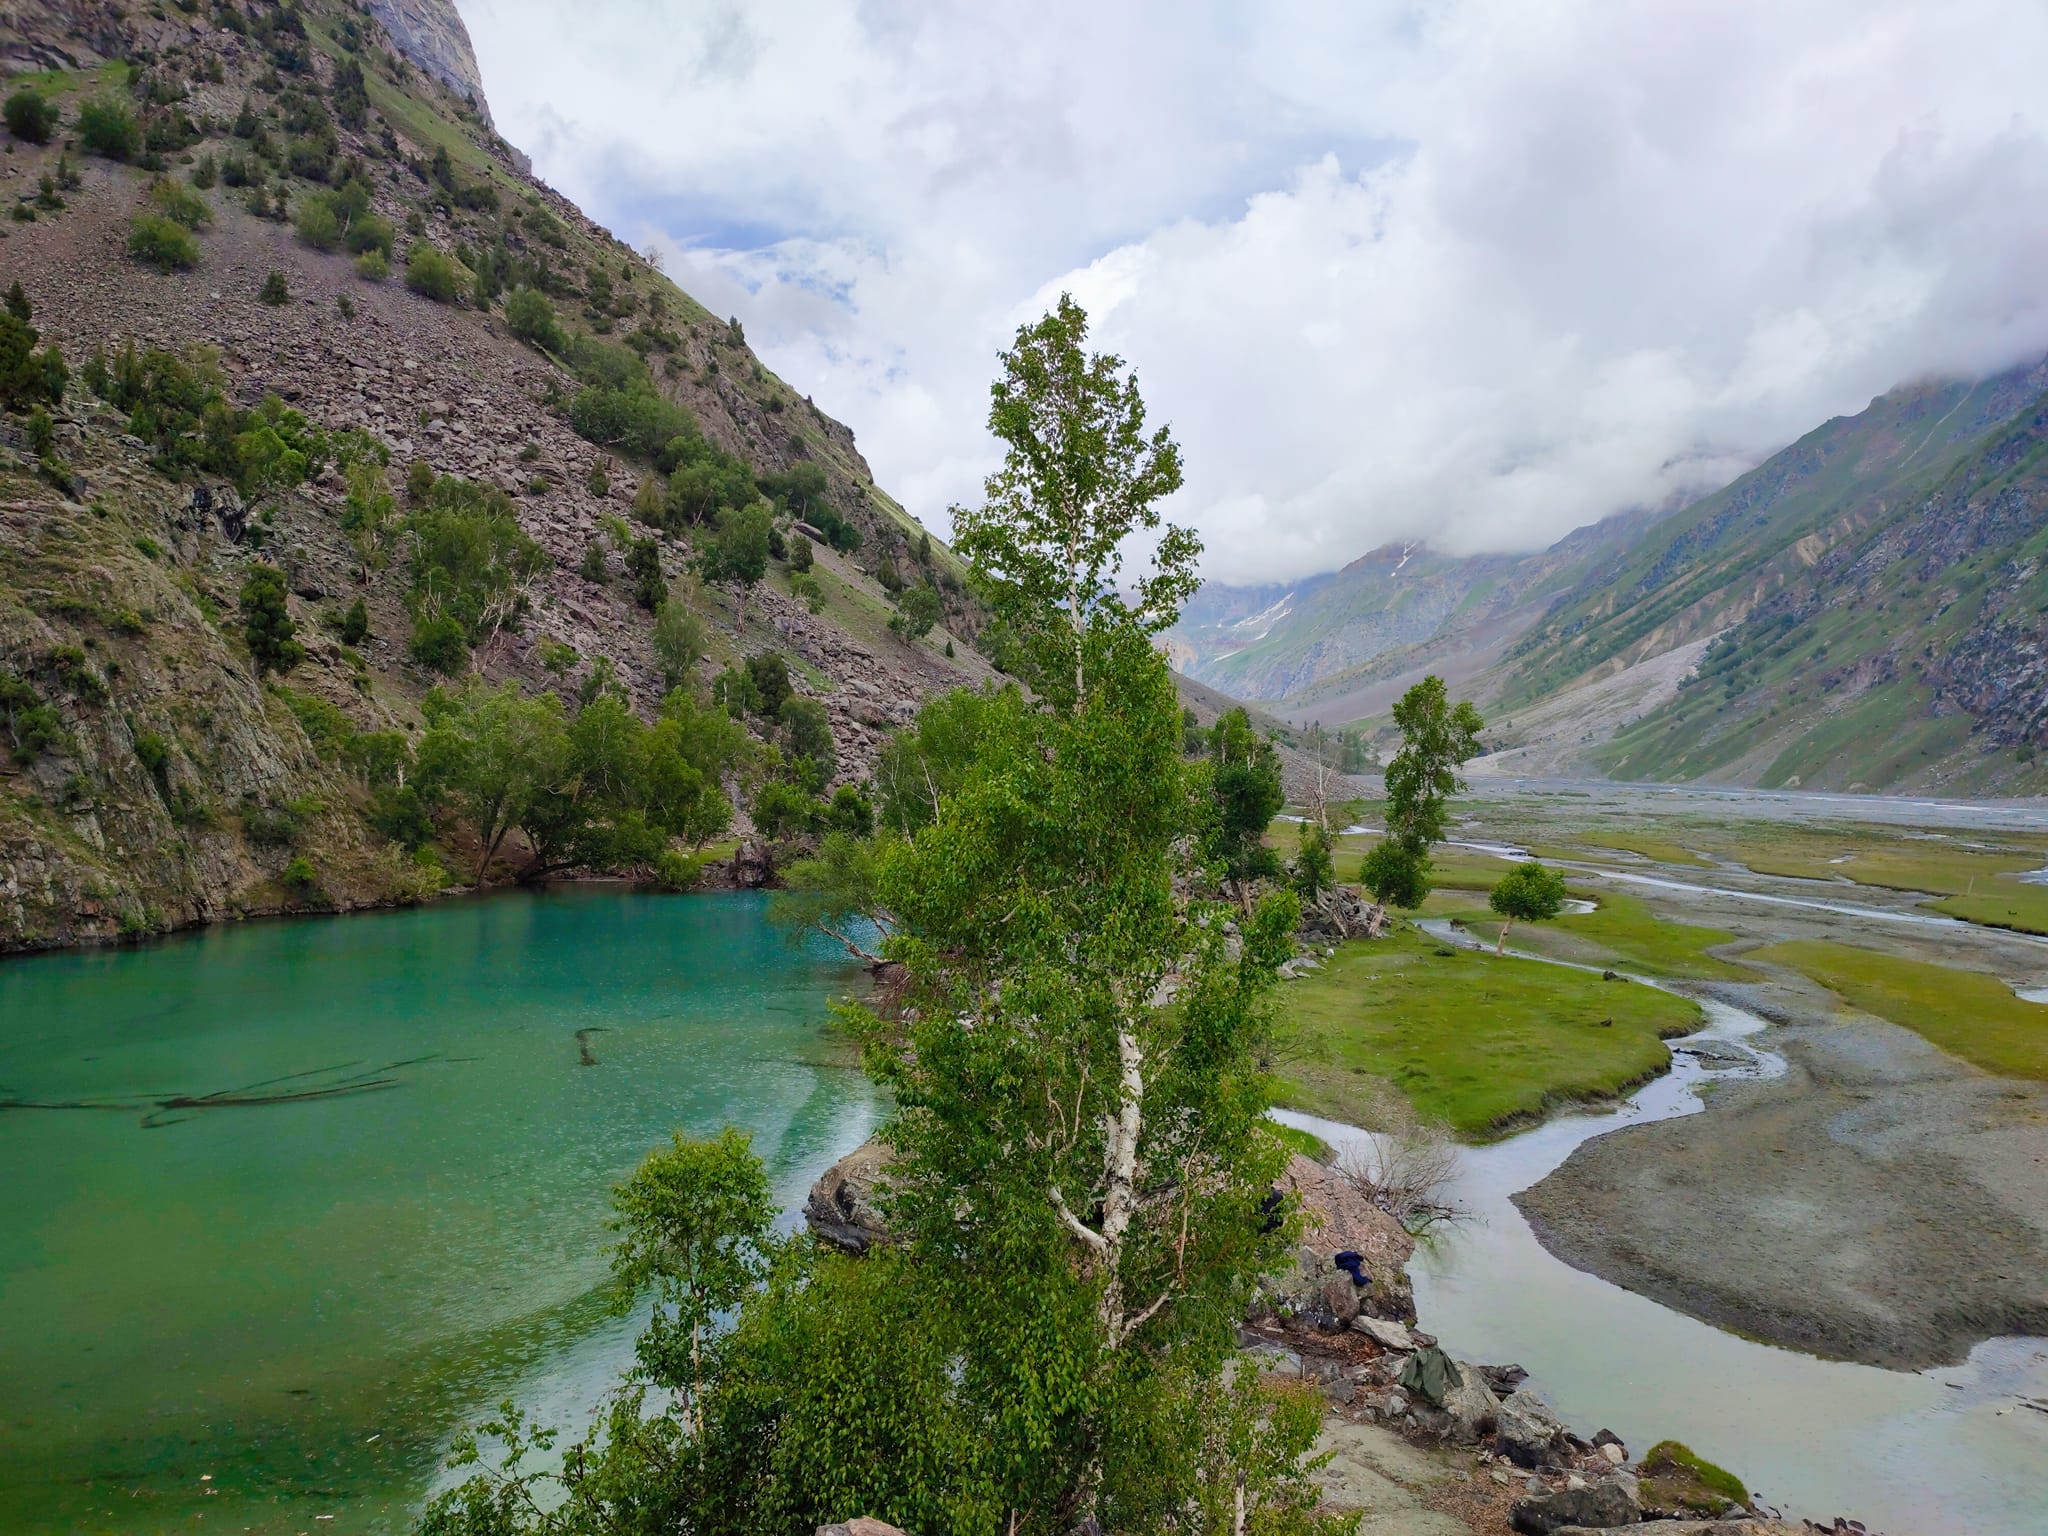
[
  {"x": 1623, "y": 932},
  {"x": 1480, "y": 1043},
  {"x": 1678, "y": 1469},
  {"x": 1307, "y": 1143},
  {"x": 1588, "y": 847},
  {"x": 2010, "y": 905},
  {"x": 1965, "y": 1013}
]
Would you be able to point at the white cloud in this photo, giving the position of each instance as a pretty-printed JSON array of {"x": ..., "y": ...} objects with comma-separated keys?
[{"x": 1472, "y": 272}]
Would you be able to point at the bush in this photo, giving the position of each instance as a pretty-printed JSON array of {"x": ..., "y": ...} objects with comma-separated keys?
[
  {"x": 433, "y": 274},
  {"x": 266, "y": 625},
  {"x": 675, "y": 870},
  {"x": 162, "y": 243},
  {"x": 783, "y": 810},
  {"x": 372, "y": 267},
  {"x": 42, "y": 434},
  {"x": 31, "y": 116},
  {"x": 439, "y": 644},
  {"x": 274, "y": 291},
  {"x": 299, "y": 877},
  {"x": 179, "y": 203},
  {"x": 530, "y": 317},
  {"x": 318, "y": 224},
  {"x": 355, "y": 624},
  {"x": 106, "y": 127}
]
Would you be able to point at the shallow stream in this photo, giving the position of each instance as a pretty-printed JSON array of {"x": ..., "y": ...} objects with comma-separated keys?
[{"x": 1912, "y": 1454}]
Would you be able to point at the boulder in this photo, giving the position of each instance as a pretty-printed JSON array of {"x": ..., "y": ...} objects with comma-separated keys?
[
  {"x": 752, "y": 867},
  {"x": 1387, "y": 1332},
  {"x": 841, "y": 1209},
  {"x": 860, "y": 1525},
  {"x": 1340, "y": 1295},
  {"x": 1598, "y": 1506},
  {"x": 1337, "y": 1217},
  {"x": 1527, "y": 1430},
  {"x": 1470, "y": 1408}
]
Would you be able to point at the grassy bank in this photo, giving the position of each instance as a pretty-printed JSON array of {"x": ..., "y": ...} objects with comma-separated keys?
[
  {"x": 1621, "y": 931},
  {"x": 1967, "y": 1014},
  {"x": 1478, "y": 1042}
]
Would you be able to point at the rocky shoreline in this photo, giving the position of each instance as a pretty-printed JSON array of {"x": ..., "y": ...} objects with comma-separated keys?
[{"x": 1419, "y": 1443}]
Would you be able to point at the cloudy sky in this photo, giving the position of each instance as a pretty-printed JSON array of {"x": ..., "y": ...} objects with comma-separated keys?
[{"x": 1476, "y": 272}]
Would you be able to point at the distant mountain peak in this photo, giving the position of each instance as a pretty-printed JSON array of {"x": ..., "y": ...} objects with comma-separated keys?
[{"x": 430, "y": 33}]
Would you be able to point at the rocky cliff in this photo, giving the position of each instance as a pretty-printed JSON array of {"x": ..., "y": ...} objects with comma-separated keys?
[{"x": 431, "y": 34}]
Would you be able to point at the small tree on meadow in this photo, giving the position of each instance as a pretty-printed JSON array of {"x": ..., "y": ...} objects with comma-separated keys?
[
  {"x": 1528, "y": 893},
  {"x": 1314, "y": 873},
  {"x": 738, "y": 554}
]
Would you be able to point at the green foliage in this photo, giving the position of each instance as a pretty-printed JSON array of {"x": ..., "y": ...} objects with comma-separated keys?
[
  {"x": 107, "y": 127},
  {"x": 274, "y": 291},
  {"x": 678, "y": 641},
  {"x": 18, "y": 307},
  {"x": 782, "y": 809},
  {"x": 643, "y": 570},
  {"x": 31, "y": 116},
  {"x": 675, "y": 870},
  {"x": 162, "y": 243},
  {"x": 694, "y": 1226},
  {"x": 918, "y": 610},
  {"x": 179, "y": 203},
  {"x": 1395, "y": 874},
  {"x": 433, "y": 273},
  {"x": 922, "y": 767},
  {"x": 472, "y": 565},
  {"x": 1079, "y": 478},
  {"x": 1245, "y": 792},
  {"x": 801, "y": 556},
  {"x": 738, "y": 554},
  {"x": 1314, "y": 870},
  {"x": 355, "y": 624},
  {"x": 42, "y": 434},
  {"x": 372, "y": 267},
  {"x": 177, "y": 405},
  {"x": 300, "y": 878},
  {"x": 1436, "y": 740},
  {"x": 768, "y": 675},
  {"x": 29, "y": 375},
  {"x": 602, "y": 791},
  {"x": 267, "y": 627},
  {"x": 1527, "y": 893},
  {"x": 32, "y": 726},
  {"x": 530, "y": 317},
  {"x": 807, "y": 739}
]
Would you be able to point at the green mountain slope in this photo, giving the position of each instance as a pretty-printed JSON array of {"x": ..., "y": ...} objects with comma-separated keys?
[{"x": 150, "y": 775}]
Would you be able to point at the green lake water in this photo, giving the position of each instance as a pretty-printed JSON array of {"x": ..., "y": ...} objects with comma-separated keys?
[{"x": 270, "y": 1316}]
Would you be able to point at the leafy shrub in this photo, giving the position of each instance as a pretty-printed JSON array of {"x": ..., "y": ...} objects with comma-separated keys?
[
  {"x": 355, "y": 624},
  {"x": 317, "y": 224},
  {"x": 373, "y": 267},
  {"x": 179, "y": 203},
  {"x": 432, "y": 274},
  {"x": 42, "y": 434},
  {"x": 154, "y": 753},
  {"x": 300, "y": 878},
  {"x": 28, "y": 375},
  {"x": 675, "y": 870},
  {"x": 31, "y": 726},
  {"x": 472, "y": 562},
  {"x": 784, "y": 810},
  {"x": 31, "y": 116},
  {"x": 439, "y": 644},
  {"x": 274, "y": 291},
  {"x": 162, "y": 243},
  {"x": 106, "y": 127},
  {"x": 530, "y": 317}
]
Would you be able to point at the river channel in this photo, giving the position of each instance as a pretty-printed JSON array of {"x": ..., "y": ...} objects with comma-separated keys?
[{"x": 1910, "y": 1453}]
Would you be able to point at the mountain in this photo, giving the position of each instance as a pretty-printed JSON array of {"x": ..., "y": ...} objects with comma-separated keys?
[
  {"x": 1861, "y": 610},
  {"x": 217, "y": 278}
]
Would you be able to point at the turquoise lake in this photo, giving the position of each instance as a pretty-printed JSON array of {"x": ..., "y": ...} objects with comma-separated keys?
[{"x": 283, "y": 1205}]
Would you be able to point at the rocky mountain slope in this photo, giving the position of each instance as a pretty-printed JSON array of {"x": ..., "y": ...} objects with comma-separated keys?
[
  {"x": 150, "y": 775},
  {"x": 1861, "y": 610}
]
